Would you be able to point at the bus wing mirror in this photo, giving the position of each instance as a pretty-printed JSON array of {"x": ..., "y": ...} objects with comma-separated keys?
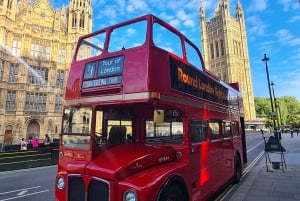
[{"x": 159, "y": 116}]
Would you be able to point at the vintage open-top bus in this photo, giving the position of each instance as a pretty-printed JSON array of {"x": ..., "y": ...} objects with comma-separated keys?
[{"x": 143, "y": 119}]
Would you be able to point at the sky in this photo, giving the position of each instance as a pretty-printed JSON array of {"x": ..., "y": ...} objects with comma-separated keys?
[{"x": 273, "y": 28}]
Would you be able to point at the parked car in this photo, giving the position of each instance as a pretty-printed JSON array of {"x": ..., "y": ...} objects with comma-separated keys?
[{"x": 287, "y": 128}]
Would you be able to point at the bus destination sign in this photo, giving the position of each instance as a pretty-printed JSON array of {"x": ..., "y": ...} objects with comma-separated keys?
[
  {"x": 109, "y": 72},
  {"x": 102, "y": 82},
  {"x": 111, "y": 66}
]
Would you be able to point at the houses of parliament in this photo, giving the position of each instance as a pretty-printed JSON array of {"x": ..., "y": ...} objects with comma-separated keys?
[
  {"x": 225, "y": 52},
  {"x": 36, "y": 48}
]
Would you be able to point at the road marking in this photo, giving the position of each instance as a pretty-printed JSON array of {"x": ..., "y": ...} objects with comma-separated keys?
[
  {"x": 250, "y": 166},
  {"x": 22, "y": 192},
  {"x": 228, "y": 190},
  {"x": 23, "y": 189},
  {"x": 35, "y": 193},
  {"x": 254, "y": 147}
]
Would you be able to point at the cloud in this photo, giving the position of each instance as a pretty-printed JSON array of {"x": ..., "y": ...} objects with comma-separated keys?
[
  {"x": 255, "y": 26},
  {"x": 189, "y": 23},
  {"x": 187, "y": 20},
  {"x": 288, "y": 4},
  {"x": 130, "y": 8},
  {"x": 166, "y": 16},
  {"x": 193, "y": 4},
  {"x": 283, "y": 35},
  {"x": 182, "y": 15},
  {"x": 175, "y": 23},
  {"x": 138, "y": 4},
  {"x": 209, "y": 4},
  {"x": 131, "y": 32},
  {"x": 286, "y": 38},
  {"x": 287, "y": 86},
  {"x": 257, "y": 6},
  {"x": 294, "y": 19},
  {"x": 110, "y": 12}
]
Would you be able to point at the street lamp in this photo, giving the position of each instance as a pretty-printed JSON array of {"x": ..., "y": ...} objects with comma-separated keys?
[
  {"x": 277, "y": 107},
  {"x": 266, "y": 59}
]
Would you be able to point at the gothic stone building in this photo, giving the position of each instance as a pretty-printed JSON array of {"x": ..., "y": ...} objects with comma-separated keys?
[
  {"x": 225, "y": 51},
  {"x": 36, "y": 47}
]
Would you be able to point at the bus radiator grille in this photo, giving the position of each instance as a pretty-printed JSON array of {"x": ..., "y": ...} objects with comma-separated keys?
[
  {"x": 77, "y": 193},
  {"x": 98, "y": 189}
]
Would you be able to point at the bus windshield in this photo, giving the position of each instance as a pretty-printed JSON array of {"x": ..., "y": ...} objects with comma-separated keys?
[{"x": 76, "y": 127}]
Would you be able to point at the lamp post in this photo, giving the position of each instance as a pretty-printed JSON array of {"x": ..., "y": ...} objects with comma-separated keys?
[
  {"x": 277, "y": 107},
  {"x": 266, "y": 59}
]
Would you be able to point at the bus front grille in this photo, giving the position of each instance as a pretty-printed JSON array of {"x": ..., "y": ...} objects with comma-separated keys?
[
  {"x": 76, "y": 190},
  {"x": 97, "y": 190}
]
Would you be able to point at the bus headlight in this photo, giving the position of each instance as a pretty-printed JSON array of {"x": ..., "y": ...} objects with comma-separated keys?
[
  {"x": 130, "y": 195},
  {"x": 60, "y": 183}
]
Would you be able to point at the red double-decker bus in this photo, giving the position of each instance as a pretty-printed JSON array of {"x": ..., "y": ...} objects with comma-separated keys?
[{"x": 143, "y": 120}]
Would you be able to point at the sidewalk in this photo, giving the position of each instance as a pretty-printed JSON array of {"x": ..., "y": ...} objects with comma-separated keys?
[{"x": 260, "y": 185}]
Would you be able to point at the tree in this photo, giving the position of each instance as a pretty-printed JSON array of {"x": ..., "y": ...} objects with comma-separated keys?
[{"x": 288, "y": 110}]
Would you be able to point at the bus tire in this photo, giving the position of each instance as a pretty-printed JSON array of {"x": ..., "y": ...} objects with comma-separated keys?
[
  {"x": 237, "y": 169},
  {"x": 172, "y": 193}
]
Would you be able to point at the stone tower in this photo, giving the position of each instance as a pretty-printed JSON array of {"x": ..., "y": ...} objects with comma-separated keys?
[
  {"x": 37, "y": 43},
  {"x": 225, "y": 50}
]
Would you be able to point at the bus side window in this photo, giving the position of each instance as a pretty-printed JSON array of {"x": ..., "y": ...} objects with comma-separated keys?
[
  {"x": 235, "y": 131},
  {"x": 198, "y": 131},
  {"x": 214, "y": 130},
  {"x": 226, "y": 129}
]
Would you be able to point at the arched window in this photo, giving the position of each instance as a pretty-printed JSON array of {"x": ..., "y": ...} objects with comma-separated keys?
[
  {"x": 9, "y": 3},
  {"x": 212, "y": 50},
  {"x": 222, "y": 48},
  {"x": 81, "y": 23},
  {"x": 74, "y": 20},
  {"x": 217, "y": 49}
]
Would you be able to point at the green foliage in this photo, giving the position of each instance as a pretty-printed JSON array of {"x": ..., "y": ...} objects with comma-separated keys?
[{"x": 288, "y": 109}]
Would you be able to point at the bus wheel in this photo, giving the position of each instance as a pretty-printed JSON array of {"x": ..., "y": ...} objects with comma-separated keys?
[
  {"x": 237, "y": 169},
  {"x": 172, "y": 193}
]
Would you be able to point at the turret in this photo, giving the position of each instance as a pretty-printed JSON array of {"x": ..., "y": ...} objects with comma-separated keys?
[
  {"x": 80, "y": 17},
  {"x": 204, "y": 35},
  {"x": 239, "y": 12}
]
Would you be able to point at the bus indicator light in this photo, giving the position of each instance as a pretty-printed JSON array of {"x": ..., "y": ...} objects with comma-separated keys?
[{"x": 155, "y": 95}]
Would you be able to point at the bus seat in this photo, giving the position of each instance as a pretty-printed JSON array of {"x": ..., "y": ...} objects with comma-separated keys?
[{"x": 117, "y": 135}]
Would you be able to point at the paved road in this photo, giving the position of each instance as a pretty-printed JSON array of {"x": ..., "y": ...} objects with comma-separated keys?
[{"x": 37, "y": 184}]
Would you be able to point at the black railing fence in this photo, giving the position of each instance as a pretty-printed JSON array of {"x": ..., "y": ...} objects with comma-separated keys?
[{"x": 12, "y": 158}]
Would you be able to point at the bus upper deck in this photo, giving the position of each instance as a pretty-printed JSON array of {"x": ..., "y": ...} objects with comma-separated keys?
[{"x": 115, "y": 61}]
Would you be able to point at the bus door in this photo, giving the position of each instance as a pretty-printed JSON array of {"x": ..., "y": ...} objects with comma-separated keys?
[
  {"x": 227, "y": 151},
  {"x": 199, "y": 167},
  {"x": 215, "y": 154}
]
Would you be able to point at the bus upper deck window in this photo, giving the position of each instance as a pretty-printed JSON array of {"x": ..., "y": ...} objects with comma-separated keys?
[
  {"x": 192, "y": 56},
  {"x": 91, "y": 46},
  {"x": 128, "y": 36},
  {"x": 167, "y": 40}
]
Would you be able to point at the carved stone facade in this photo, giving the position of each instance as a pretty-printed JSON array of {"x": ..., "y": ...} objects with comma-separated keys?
[
  {"x": 36, "y": 47},
  {"x": 225, "y": 50}
]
